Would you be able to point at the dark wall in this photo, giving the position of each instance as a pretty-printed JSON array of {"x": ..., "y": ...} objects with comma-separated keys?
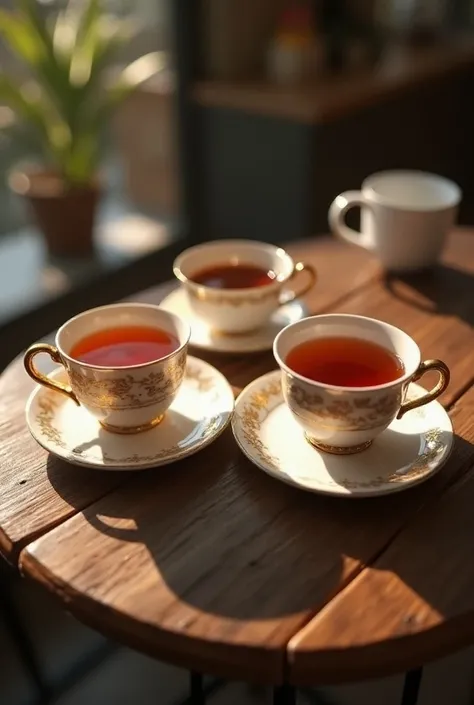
[
  {"x": 257, "y": 179},
  {"x": 430, "y": 128},
  {"x": 271, "y": 179}
]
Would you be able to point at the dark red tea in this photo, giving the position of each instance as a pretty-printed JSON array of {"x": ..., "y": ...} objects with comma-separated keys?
[
  {"x": 125, "y": 346},
  {"x": 230, "y": 276},
  {"x": 345, "y": 362}
]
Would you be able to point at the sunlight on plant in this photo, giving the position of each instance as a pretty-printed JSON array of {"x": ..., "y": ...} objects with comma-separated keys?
[{"x": 67, "y": 104}]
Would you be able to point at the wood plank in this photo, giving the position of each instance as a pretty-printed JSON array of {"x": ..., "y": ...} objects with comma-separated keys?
[
  {"x": 215, "y": 566},
  {"x": 39, "y": 492},
  {"x": 436, "y": 308},
  {"x": 415, "y": 604}
]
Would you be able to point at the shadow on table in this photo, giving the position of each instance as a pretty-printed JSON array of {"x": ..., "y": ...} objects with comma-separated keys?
[
  {"x": 222, "y": 538},
  {"x": 444, "y": 290}
]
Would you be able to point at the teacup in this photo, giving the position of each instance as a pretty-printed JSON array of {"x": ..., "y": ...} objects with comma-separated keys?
[
  {"x": 346, "y": 420},
  {"x": 405, "y": 217},
  {"x": 243, "y": 310},
  {"x": 123, "y": 399}
]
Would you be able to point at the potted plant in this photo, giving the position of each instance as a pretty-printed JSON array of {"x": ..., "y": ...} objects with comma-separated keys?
[{"x": 64, "y": 107}]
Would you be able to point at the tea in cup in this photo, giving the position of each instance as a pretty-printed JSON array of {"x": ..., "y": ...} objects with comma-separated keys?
[
  {"x": 405, "y": 217},
  {"x": 125, "y": 363},
  {"x": 236, "y": 285},
  {"x": 345, "y": 378}
]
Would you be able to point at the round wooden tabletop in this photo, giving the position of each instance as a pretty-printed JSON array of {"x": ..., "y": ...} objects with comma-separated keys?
[{"x": 210, "y": 564}]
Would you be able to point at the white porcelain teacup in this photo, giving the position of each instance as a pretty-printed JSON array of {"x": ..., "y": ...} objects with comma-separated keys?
[
  {"x": 246, "y": 309},
  {"x": 127, "y": 399},
  {"x": 346, "y": 420},
  {"x": 405, "y": 217}
]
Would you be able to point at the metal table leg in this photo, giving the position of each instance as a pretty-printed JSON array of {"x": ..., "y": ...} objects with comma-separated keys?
[
  {"x": 284, "y": 695},
  {"x": 411, "y": 688},
  {"x": 21, "y": 639},
  {"x": 198, "y": 695}
]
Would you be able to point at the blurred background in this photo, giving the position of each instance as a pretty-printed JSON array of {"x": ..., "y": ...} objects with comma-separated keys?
[{"x": 234, "y": 118}]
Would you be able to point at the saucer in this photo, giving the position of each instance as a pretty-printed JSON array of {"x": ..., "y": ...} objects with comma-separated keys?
[
  {"x": 205, "y": 338},
  {"x": 201, "y": 411},
  {"x": 410, "y": 451}
]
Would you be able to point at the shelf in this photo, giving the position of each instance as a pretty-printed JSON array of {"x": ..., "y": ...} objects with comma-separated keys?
[{"x": 334, "y": 96}]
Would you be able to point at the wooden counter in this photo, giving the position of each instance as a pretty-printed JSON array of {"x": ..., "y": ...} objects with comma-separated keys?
[{"x": 334, "y": 96}]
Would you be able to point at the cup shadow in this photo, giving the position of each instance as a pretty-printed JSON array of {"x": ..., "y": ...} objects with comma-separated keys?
[
  {"x": 227, "y": 540},
  {"x": 389, "y": 459},
  {"x": 444, "y": 289}
]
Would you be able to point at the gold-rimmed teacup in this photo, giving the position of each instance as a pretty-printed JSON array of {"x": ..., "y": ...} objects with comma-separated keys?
[
  {"x": 123, "y": 399},
  {"x": 345, "y": 420},
  {"x": 235, "y": 311}
]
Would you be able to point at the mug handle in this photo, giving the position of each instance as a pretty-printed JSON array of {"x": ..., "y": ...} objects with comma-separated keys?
[
  {"x": 338, "y": 209},
  {"x": 439, "y": 388},
  {"x": 39, "y": 377},
  {"x": 289, "y": 296}
]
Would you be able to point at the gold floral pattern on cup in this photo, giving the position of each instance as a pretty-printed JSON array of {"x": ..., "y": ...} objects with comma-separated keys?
[
  {"x": 253, "y": 416},
  {"x": 345, "y": 420},
  {"x": 128, "y": 391},
  {"x": 236, "y": 311},
  {"x": 329, "y": 410},
  {"x": 129, "y": 399}
]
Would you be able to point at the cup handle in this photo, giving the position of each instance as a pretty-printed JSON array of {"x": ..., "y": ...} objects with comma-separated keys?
[
  {"x": 289, "y": 296},
  {"x": 444, "y": 377},
  {"x": 39, "y": 377},
  {"x": 338, "y": 209}
]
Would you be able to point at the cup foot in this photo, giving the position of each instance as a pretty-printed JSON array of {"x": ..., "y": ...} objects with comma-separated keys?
[
  {"x": 124, "y": 430},
  {"x": 337, "y": 450}
]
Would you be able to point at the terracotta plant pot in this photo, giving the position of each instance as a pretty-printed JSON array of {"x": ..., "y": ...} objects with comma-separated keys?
[{"x": 65, "y": 214}]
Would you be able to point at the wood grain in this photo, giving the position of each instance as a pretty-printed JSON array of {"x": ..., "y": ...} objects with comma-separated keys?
[
  {"x": 416, "y": 603},
  {"x": 436, "y": 308},
  {"x": 39, "y": 491},
  {"x": 212, "y": 565}
]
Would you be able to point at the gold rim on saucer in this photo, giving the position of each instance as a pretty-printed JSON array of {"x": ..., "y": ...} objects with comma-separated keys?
[
  {"x": 204, "y": 338},
  {"x": 410, "y": 451},
  {"x": 201, "y": 411}
]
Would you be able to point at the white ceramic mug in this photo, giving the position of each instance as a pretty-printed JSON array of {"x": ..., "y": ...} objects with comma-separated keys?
[
  {"x": 405, "y": 217},
  {"x": 345, "y": 420},
  {"x": 124, "y": 399},
  {"x": 239, "y": 310}
]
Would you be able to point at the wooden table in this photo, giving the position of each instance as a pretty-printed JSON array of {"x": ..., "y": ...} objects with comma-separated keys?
[{"x": 212, "y": 565}]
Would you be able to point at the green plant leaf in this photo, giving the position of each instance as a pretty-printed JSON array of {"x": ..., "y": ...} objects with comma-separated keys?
[
  {"x": 135, "y": 74},
  {"x": 51, "y": 72},
  {"x": 71, "y": 103},
  {"x": 81, "y": 162},
  {"x": 20, "y": 39},
  {"x": 32, "y": 109},
  {"x": 64, "y": 37},
  {"x": 25, "y": 108},
  {"x": 89, "y": 21},
  {"x": 32, "y": 16}
]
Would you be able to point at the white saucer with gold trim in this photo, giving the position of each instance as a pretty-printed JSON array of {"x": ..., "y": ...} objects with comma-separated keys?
[
  {"x": 202, "y": 336},
  {"x": 408, "y": 452},
  {"x": 200, "y": 412}
]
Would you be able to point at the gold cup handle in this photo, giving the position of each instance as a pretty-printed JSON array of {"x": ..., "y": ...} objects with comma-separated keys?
[
  {"x": 444, "y": 377},
  {"x": 289, "y": 296},
  {"x": 39, "y": 377}
]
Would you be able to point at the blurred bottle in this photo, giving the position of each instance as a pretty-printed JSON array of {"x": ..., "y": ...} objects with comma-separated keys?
[
  {"x": 296, "y": 51},
  {"x": 412, "y": 18}
]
